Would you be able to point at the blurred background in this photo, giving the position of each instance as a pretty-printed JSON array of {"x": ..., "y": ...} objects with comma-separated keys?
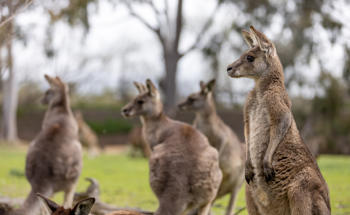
[{"x": 101, "y": 46}]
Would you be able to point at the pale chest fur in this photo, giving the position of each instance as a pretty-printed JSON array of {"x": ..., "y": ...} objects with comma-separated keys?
[
  {"x": 259, "y": 133},
  {"x": 150, "y": 135},
  {"x": 155, "y": 134}
]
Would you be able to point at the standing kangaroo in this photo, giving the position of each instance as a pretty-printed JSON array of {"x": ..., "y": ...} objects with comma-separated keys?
[
  {"x": 54, "y": 158},
  {"x": 220, "y": 136},
  {"x": 283, "y": 177},
  {"x": 184, "y": 168}
]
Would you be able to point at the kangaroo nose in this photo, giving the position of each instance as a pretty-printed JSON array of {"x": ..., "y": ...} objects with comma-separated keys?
[
  {"x": 125, "y": 110},
  {"x": 229, "y": 68}
]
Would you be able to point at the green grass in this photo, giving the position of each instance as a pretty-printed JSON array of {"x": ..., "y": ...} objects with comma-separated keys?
[
  {"x": 110, "y": 126},
  {"x": 124, "y": 180}
]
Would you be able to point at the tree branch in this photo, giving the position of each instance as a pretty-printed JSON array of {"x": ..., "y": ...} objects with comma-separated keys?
[
  {"x": 12, "y": 16},
  {"x": 143, "y": 21},
  {"x": 178, "y": 24},
  {"x": 158, "y": 15},
  {"x": 155, "y": 30},
  {"x": 204, "y": 29},
  {"x": 166, "y": 12},
  {"x": 154, "y": 8}
]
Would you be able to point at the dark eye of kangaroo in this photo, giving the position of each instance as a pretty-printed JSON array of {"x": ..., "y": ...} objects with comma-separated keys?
[
  {"x": 250, "y": 58},
  {"x": 191, "y": 100},
  {"x": 140, "y": 102}
]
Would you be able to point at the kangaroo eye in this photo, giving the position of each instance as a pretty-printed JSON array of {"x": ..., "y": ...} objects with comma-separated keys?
[
  {"x": 191, "y": 100},
  {"x": 140, "y": 102},
  {"x": 250, "y": 58}
]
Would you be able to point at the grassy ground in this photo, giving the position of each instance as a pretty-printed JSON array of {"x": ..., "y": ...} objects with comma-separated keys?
[{"x": 124, "y": 180}]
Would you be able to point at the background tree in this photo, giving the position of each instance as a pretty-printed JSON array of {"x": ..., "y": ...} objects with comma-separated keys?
[
  {"x": 8, "y": 11},
  {"x": 169, "y": 31}
]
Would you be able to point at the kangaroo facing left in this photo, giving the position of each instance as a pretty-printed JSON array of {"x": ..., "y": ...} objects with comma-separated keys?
[
  {"x": 82, "y": 207},
  {"x": 54, "y": 158},
  {"x": 184, "y": 169}
]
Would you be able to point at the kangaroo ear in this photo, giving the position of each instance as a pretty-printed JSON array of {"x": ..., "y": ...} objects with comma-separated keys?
[
  {"x": 151, "y": 88},
  {"x": 263, "y": 42},
  {"x": 140, "y": 87},
  {"x": 211, "y": 85},
  {"x": 50, "y": 204},
  {"x": 59, "y": 83},
  {"x": 49, "y": 79},
  {"x": 58, "y": 79},
  {"x": 83, "y": 207},
  {"x": 249, "y": 38}
]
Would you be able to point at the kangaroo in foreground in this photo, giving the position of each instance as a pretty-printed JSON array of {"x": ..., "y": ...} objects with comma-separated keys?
[
  {"x": 54, "y": 158},
  {"x": 184, "y": 168},
  {"x": 283, "y": 177},
  {"x": 82, "y": 207},
  {"x": 221, "y": 136}
]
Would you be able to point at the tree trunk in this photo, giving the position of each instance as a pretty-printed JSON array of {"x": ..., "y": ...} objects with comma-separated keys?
[
  {"x": 169, "y": 84},
  {"x": 9, "y": 109}
]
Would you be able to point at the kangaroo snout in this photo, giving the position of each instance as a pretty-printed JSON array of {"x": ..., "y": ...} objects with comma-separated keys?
[
  {"x": 230, "y": 70},
  {"x": 181, "y": 106},
  {"x": 126, "y": 112},
  {"x": 233, "y": 70}
]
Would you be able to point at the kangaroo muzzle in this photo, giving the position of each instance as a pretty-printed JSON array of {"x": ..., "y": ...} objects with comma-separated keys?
[
  {"x": 230, "y": 70},
  {"x": 182, "y": 106},
  {"x": 126, "y": 112},
  {"x": 233, "y": 69}
]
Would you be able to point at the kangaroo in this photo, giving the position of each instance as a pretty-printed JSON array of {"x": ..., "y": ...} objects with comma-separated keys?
[
  {"x": 283, "y": 177},
  {"x": 82, "y": 207},
  {"x": 54, "y": 158},
  {"x": 87, "y": 136},
  {"x": 125, "y": 212},
  {"x": 184, "y": 168},
  {"x": 220, "y": 136}
]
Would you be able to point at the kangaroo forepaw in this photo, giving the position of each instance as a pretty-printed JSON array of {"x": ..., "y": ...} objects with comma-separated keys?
[
  {"x": 269, "y": 172},
  {"x": 249, "y": 173}
]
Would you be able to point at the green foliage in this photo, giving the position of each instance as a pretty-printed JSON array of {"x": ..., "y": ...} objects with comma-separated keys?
[
  {"x": 110, "y": 126},
  {"x": 124, "y": 180},
  {"x": 76, "y": 12},
  {"x": 105, "y": 101},
  {"x": 330, "y": 108}
]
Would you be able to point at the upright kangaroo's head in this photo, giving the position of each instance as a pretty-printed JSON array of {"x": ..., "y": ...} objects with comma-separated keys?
[
  {"x": 57, "y": 92},
  {"x": 260, "y": 60},
  {"x": 199, "y": 100},
  {"x": 83, "y": 207},
  {"x": 147, "y": 103}
]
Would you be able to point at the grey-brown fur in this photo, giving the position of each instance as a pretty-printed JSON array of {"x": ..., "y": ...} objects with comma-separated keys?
[
  {"x": 82, "y": 207},
  {"x": 54, "y": 158},
  {"x": 221, "y": 136},
  {"x": 282, "y": 174},
  {"x": 184, "y": 168}
]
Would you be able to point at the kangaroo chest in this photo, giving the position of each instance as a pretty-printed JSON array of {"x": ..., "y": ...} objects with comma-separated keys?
[
  {"x": 150, "y": 136},
  {"x": 259, "y": 133}
]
